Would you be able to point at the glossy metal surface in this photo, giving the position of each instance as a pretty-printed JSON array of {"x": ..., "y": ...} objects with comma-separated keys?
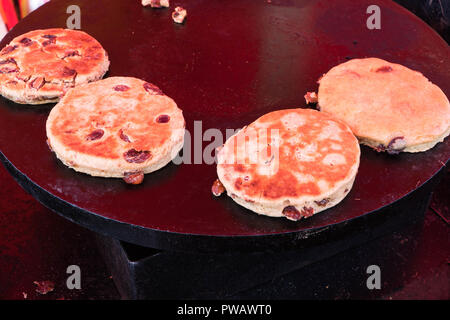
[{"x": 226, "y": 66}]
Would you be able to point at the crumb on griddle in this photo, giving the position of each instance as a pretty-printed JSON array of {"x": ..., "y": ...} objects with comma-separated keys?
[
  {"x": 311, "y": 97},
  {"x": 179, "y": 15},
  {"x": 156, "y": 3}
]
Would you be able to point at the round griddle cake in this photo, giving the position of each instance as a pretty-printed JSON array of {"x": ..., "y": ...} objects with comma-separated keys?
[
  {"x": 40, "y": 66},
  {"x": 292, "y": 163},
  {"x": 116, "y": 127},
  {"x": 388, "y": 106}
]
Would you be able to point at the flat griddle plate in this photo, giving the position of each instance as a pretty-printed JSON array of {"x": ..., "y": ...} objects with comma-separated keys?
[{"x": 227, "y": 65}]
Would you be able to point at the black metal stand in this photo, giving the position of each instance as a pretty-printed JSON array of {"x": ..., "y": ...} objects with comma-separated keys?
[{"x": 145, "y": 273}]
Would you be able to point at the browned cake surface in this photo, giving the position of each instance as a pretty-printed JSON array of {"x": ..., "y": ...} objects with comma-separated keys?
[
  {"x": 290, "y": 157},
  {"x": 388, "y": 106},
  {"x": 115, "y": 126},
  {"x": 41, "y": 65}
]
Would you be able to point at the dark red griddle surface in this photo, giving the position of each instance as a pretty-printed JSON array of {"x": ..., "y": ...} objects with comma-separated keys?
[
  {"x": 413, "y": 259},
  {"x": 226, "y": 66}
]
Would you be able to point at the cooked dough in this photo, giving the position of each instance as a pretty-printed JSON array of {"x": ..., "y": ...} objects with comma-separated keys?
[
  {"x": 40, "y": 66},
  {"x": 290, "y": 163},
  {"x": 388, "y": 106},
  {"x": 116, "y": 127}
]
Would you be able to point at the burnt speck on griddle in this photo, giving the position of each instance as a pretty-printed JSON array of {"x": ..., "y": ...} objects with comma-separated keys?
[
  {"x": 44, "y": 287},
  {"x": 292, "y": 213},
  {"x": 217, "y": 188},
  {"x": 307, "y": 212},
  {"x": 135, "y": 177},
  {"x": 311, "y": 98}
]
